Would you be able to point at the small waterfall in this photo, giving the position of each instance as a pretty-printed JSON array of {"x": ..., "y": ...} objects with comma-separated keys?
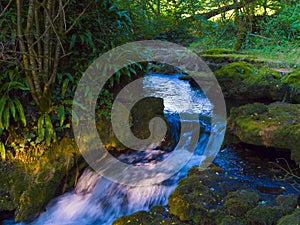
[{"x": 99, "y": 201}]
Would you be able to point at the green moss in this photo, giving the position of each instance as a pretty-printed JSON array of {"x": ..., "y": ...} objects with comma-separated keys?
[
  {"x": 191, "y": 200},
  {"x": 292, "y": 219},
  {"x": 275, "y": 125},
  {"x": 219, "y": 51},
  {"x": 185, "y": 77},
  {"x": 239, "y": 202},
  {"x": 265, "y": 215},
  {"x": 287, "y": 201},
  {"x": 157, "y": 215},
  {"x": 292, "y": 82},
  {"x": 30, "y": 182},
  {"x": 231, "y": 220},
  {"x": 292, "y": 78},
  {"x": 13, "y": 181},
  {"x": 232, "y": 77}
]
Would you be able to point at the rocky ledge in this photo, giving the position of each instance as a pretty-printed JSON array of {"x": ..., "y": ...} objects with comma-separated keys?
[{"x": 275, "y": 125}]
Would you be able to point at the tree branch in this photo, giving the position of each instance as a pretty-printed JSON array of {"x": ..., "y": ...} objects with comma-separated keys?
[
  {"x": 78, "y": 17},
  {"x": 6, "y": 8}
]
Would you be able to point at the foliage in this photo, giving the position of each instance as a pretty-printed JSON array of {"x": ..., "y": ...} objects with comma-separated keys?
[
  {"x": 11, "y": 108},
  {"x": 55, "y": 56}
]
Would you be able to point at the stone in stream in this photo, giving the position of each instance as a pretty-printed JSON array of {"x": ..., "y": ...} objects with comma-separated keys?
[{"x": 140, "y": 115}]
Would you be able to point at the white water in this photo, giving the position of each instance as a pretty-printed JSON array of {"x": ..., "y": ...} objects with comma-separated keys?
[{"x": 98, "y": 201}]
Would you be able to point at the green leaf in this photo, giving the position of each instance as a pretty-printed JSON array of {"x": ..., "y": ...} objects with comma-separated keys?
[
  {"x": 12, "y": 108},
  {"x": 132, "y": 70},
  {"x": 2, "y": 151},
  {"x": 50, "y": 133},
  {"x": 6, "y": 117},
  {"x": 41, "y": 129},
  {"x": 73, "y": 39},
  {"x": 75, "y": 118},
  {"x": 61, "y": 113},
  {"x": 2, "y": 106},
  {"x": 20, "y": 110},
  {"x": 64, "y": 87}
]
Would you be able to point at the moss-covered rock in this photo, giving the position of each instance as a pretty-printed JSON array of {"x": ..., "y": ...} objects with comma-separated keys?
[
  {"x": 140, "y": 116},
  {"x": 239, "y": 202},
  {"x": 192, "y": 200},
  {"x": 157, "y": 215},
  {"x": 265, "y": 215},
  {"x": 163, "y": 68},
  {"x": 275, "y": 125},
  {"x": 292, "y": 219},
  {"x": 232, "y": 78},
  {"x": 292, "y": 82},
  {"x": 286, "y": 201},
  {"x": 29, "y": 185},
  {"x": 231, "y": 220},
  {"x": 217, "y": 51},
  {"x": 242, "y": 81}
]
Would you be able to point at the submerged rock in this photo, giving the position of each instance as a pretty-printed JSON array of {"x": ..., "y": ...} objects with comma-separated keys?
[{"x": 275, "y": 125}]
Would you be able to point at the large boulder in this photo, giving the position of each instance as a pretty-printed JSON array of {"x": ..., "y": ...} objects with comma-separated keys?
[{"x": 275, "y": 125}]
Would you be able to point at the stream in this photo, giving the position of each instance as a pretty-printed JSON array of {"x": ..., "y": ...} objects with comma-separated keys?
[{"x": 98, "y": 201}]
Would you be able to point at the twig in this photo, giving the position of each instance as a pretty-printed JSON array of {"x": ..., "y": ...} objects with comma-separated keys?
[
  {"x": 288, "y": 171},
  {"x": 57, "y": 36},
  {"x": 262, "y": 37},
  {"x": 6, "y": 7},
  {"x": 78, "y": 17}
]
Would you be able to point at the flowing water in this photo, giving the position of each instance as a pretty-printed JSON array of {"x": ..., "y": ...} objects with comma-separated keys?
[{"x": 99, "y": 201}]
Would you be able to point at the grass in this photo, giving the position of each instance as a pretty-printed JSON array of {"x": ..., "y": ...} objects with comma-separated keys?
[{"x": 275, "y": 55}]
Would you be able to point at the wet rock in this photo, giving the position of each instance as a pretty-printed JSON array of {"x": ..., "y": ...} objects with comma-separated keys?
[
  {"x": 292, "y": 219},
  {"x": 192, "y": 200},
  {"x": 275, "y": 125},
  {"x": 140, "y": 116},
  {"x": 157, "y": 215},
  {"x": 265, "y": 215},
  {"x": 287, "y": 201},
  {"x": 239, "y": 202},
  {"x": 231, "y": 220}
]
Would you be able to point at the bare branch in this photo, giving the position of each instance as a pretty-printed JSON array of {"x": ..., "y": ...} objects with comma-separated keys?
[
  {"x": 54, "y": 30},
  {"x": 6, "y": 8},
  {"x": 262, "y": 37},
  {"x": 78, "y": 17}
]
